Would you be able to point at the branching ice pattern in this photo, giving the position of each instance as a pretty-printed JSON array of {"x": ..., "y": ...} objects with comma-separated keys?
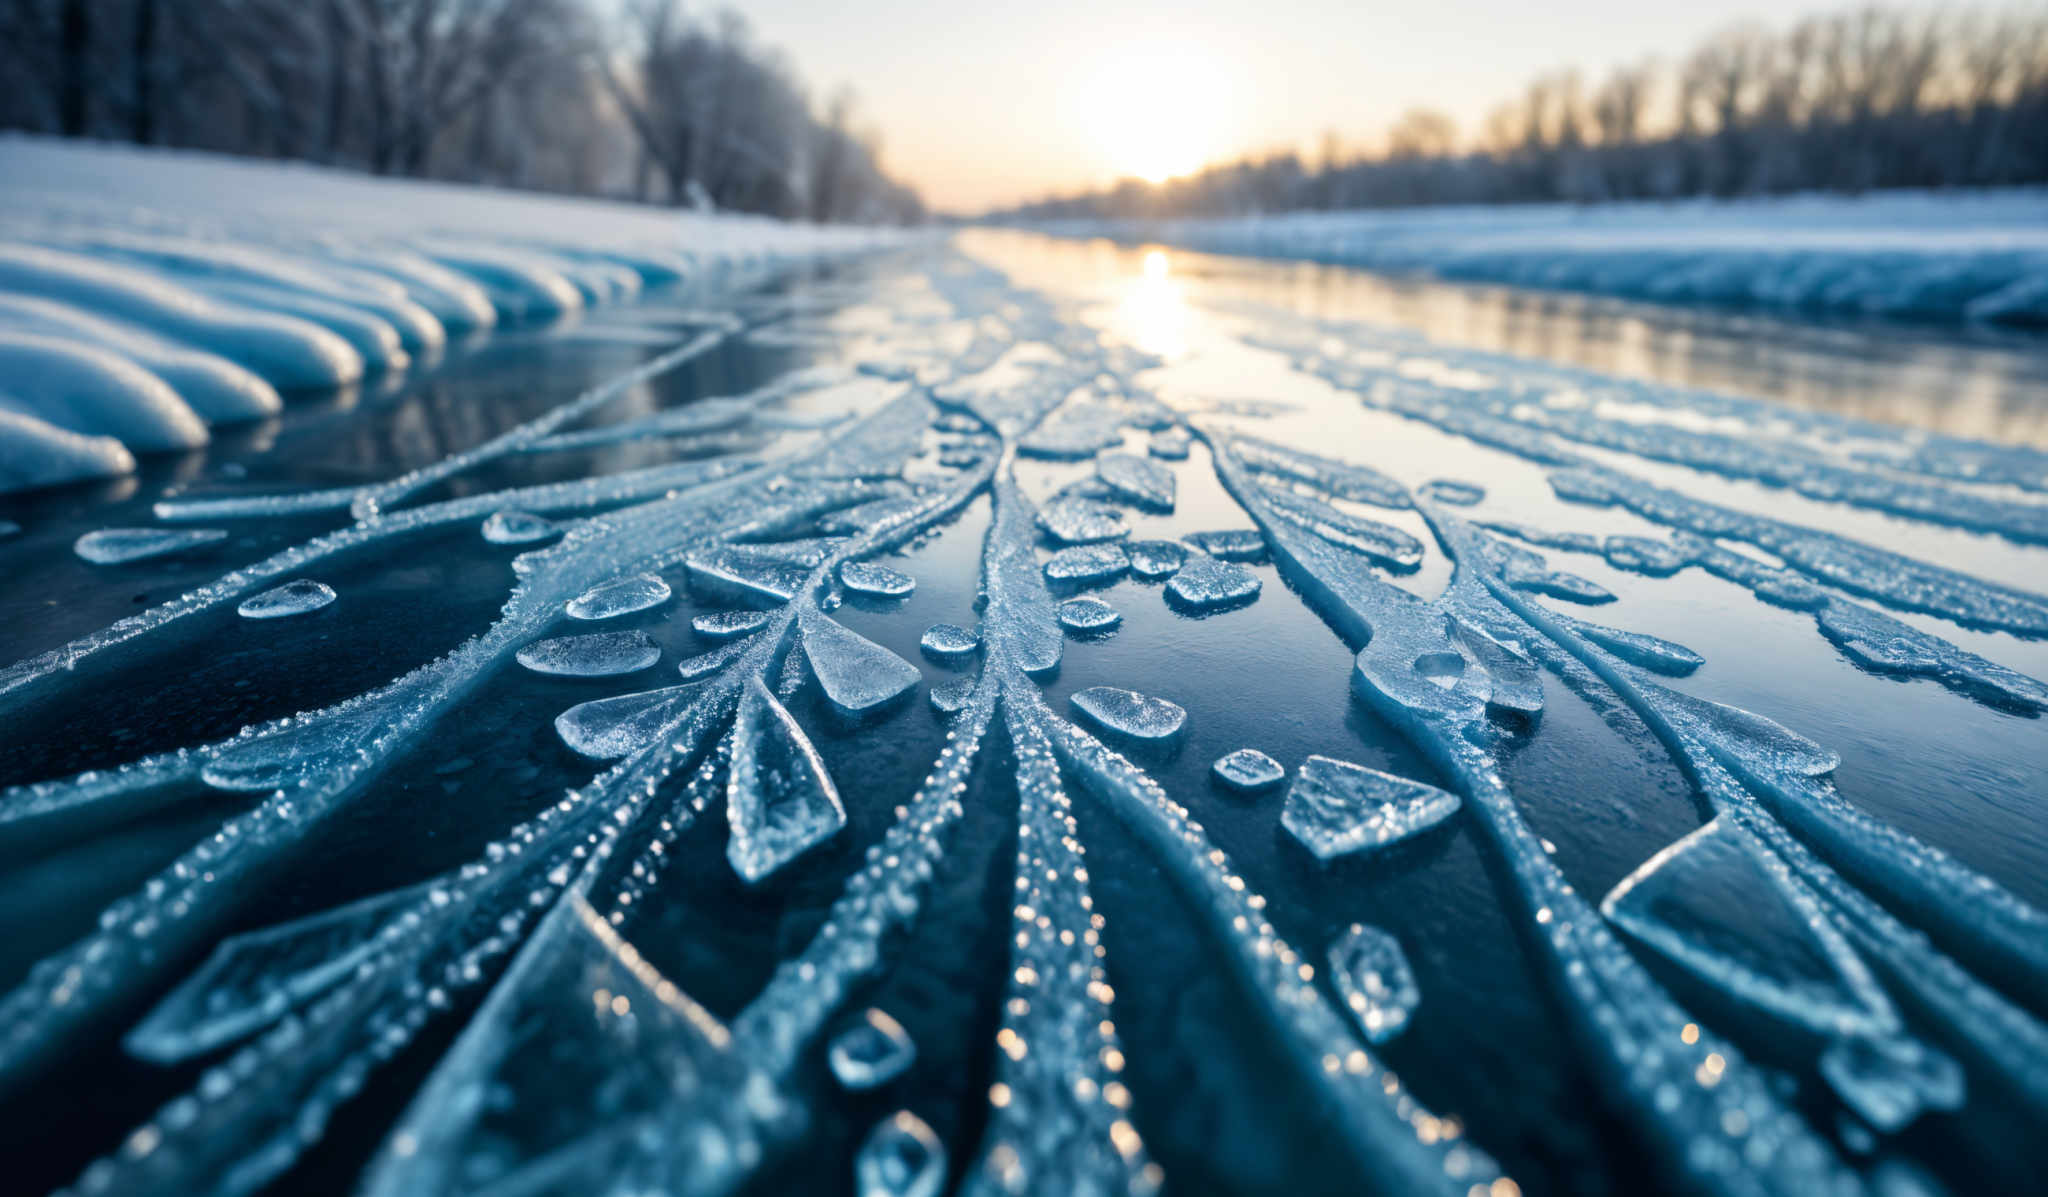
[{"x": 621, "y": 1082}]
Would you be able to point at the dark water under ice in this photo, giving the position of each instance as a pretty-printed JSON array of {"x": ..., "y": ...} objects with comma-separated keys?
[{"x": 1484, "y": 1044}]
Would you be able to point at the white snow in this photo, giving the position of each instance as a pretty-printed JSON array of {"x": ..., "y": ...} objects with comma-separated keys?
[
  {"x": 147, "y": 294},
  {"x": 1975, "y": 255}
]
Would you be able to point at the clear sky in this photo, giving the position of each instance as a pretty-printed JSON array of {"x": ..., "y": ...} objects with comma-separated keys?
[{"x": 984, "y": 102}]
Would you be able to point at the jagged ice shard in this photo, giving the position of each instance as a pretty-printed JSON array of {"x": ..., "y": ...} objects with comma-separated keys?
[
  {"x": 1335, "y": 808},
  {"x": 780, "y": 801}
]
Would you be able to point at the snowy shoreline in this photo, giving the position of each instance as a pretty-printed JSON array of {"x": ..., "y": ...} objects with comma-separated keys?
[
  {"x": 146, "y": 295},
  {"x": 1978, "y": 256}
]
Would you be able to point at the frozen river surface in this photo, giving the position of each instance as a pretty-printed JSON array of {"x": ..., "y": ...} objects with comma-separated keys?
[{"x": 802, "y": 769}]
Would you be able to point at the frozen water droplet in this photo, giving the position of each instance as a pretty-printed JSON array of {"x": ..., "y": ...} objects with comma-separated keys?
[
  {"x": 9, "y": 528},
  {"x": 296, "y": 597},
  {"x": 1137, "y": 480},
  {"x": 1459, "y": 494},
  {"x": 949, "y": 642},
  {"x": 862, "y": 577},
  {"x": 608, "y": 728},
  {"x": 1088, "y": 614},
  {"x": 116, "y": 546},
  {"x": 1248, "y": 770},
  {"x": 1156, "y": 558},
  {"x": 901, "y": 1157},
  {"x": 517, "y": 527},
  {"x": 1235, "y": 544},
  {"x": 856, "y": 674},
  {"x": 951, "y": 697},
  {"x": 1335, "y": 807},
  {"x": 1079, "y": 521},
  {"x": 1373, "y": 978},
  {"x": 1205, "y": 583},
  {"x": 622, "y": 597},
  {"x": 1889, "y": 1080},
  {"x": 872, "y": 1052},
  {"x": 604, "y": 654},
  {"x": 1170, "y": 444},
  {"x": 1086, "y": 563},
  {"x": 1139, "y": 716},
  {"x": 779, "y": 799},
  {"x": 728, "y": 625},
  {"x": 252, "y": 980}
]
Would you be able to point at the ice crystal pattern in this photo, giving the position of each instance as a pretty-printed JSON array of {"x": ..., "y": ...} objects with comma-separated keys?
[{"x": 578, "y": 1064}]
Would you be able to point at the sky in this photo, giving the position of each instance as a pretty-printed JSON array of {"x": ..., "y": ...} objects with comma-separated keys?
[{"x": 981, "y": 103}]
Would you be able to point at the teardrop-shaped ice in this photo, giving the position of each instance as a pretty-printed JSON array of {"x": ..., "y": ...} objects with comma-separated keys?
[
  {"x": 872, "y": 1052},
  {"x": 706, "y": 664},
  {"x": 517, "y": 527},
  {"x": 1205, "y": 584},
  {"x": 1086, "y": 563},
  {"x": 901, "y": 1157},
  {"x": 1137, "y": 480},
  {"x": 608, "y": 728},
  {"x": 1335, "y": 807},
  {"x": 879, "y": 581},
  {"x": 1447, "y": 490},
  {"x": 117, "y": 546},
  {"x": 296, "y": 597},
  {"x": 1248, "y": 770},
  {"x": 729, "y": 625},
  {"x": 1081, "y": 521},
  {"x": 949, "y": 642},
  {"x": 293, "y": 754},
  {"x": 1139, "y": 716},
  {"x": 621, "y": 597},
  {"x": 855, "y": 673},
  {"x": 1649, "y": 652},
  {"x": 1156, "y": 558},
  {"x": 1373, "y": 977},
  {"x": 605, "y": 654},
  {"x": 1088, "y": 614},
  {"x": 778, "y": 799}
]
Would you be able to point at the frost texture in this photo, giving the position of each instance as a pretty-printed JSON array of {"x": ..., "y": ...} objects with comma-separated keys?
[
  {"x": 1088, "y": 615},
  {"x": 1205, "y": 583}
]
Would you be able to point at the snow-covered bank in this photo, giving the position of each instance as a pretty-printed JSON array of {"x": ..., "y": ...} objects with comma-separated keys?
[
  {"x": 146, "y": 294},
  {"x": 1977, "y": 256}
]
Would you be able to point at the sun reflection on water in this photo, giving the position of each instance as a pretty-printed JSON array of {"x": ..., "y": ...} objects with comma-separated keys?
[{"x": 1154, "y": 312}]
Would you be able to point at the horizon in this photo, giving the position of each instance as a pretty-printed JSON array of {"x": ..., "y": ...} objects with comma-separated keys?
[{"x": 1151, "y": 91}]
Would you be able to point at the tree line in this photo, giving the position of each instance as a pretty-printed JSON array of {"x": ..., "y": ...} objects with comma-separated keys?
[
  {"x": 639, "y": 99},
  {"x": 1848, "y": 102}
]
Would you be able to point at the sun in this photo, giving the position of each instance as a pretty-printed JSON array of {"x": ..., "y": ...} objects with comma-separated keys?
[{"x": 1154, "y": 111}]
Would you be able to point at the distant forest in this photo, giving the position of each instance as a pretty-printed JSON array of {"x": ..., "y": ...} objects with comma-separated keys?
[
  {"x": 623, "y": 98},
  {"x": 1851, "y": 102}
]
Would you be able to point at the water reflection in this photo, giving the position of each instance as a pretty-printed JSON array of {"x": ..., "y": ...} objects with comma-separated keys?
[{"x": 1980, "y": 384}]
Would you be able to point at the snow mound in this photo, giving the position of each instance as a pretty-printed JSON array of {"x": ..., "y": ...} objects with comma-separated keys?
[
  {"x": 36, "y": 453},
  {"x": 146, "y": 294}
]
